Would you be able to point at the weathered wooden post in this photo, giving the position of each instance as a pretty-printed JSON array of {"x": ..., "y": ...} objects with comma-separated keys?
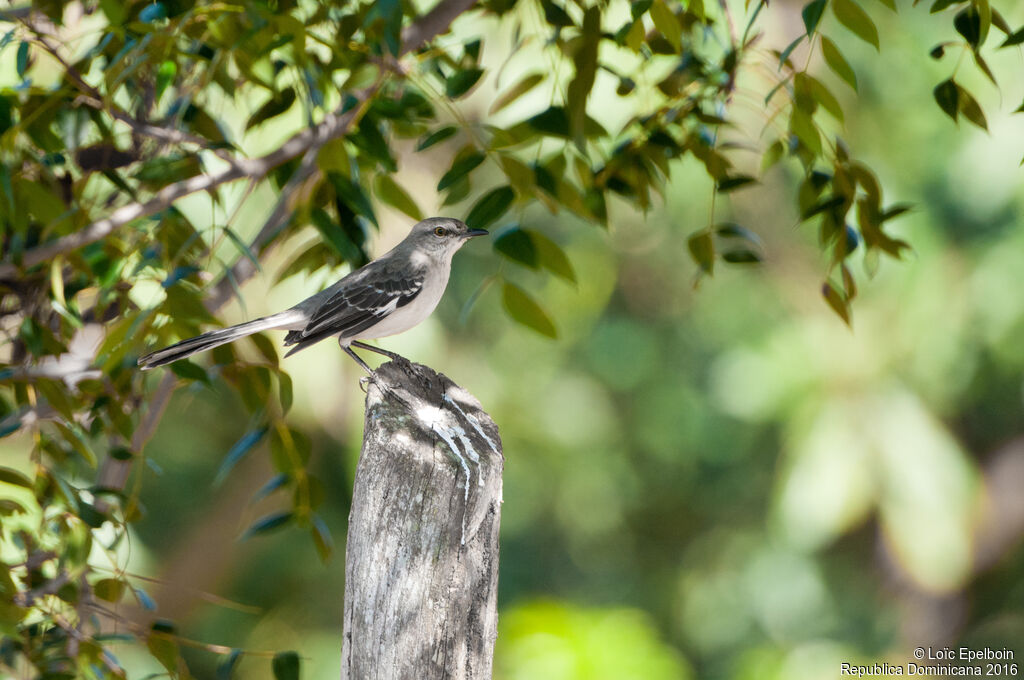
[{"x": 421, "y": 562}]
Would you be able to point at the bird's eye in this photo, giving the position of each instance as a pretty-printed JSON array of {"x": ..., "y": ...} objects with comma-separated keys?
[{"x": 440, "y": 231}]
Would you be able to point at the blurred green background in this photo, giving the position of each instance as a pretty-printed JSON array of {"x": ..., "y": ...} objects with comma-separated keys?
[{"x": 720, "y": 482}]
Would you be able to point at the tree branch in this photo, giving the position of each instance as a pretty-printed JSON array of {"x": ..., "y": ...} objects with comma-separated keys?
[{"x": 430, "y": 25}]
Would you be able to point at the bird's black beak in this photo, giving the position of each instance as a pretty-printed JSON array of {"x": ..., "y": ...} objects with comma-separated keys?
[{"x": 476, "y": 232}]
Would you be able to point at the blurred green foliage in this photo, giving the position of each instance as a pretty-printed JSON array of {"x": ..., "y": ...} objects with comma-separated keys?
[{"x": 727, "y": 484}]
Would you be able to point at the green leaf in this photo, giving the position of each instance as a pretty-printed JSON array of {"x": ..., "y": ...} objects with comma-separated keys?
[
  {"x": 947, "y": 94},
  {"x": 702, "y": 249},
  {"x": 523, "y": 309},
  {"x": 436, "y": 137},
  {"x": 552, "y": 257},
  {"x": 490, "y": 207},
  {"x": 268, "y": 523},
  {"x": 464, "y": 163},
  {"x": 940, "y": 5},
  {"x": 352, "y": 194},
  {"x": 335, "y": 237},
  {"x": 854, "y": 18},
  {"x": 238, "y": 451},
  {"x": 516, "y": 244},
  {"x": 22, "y": 60},
  {"x": 525, "y": 84},
  {"x": 15, "y": 478},
  {"x": 836, "y": 301},
  {"x": 802, "y": 125},
  {"x": 286, "y": 666},
  {"x": 784, "y": 55},
  {"x": 811, "y": 14},
  {"x": 165, "y": 76},
  {"x": 555, "y": 121},
  {"x": 460, "y": 82},
  {"x": 585, "y": 61},
  {"x": 891, "y": 4},
  {"x": 735, "y": 182},
  {"x": 967, "y": 23},
  {"x": 322, "y": 538},
  {"x": 109, "y": 589},
  {"x": 243, "y": 248},
  {"x": 667, "y": 23},
  {"x": 837, "y": 62},
  {"x": 825, "y": 97},
  {"x": 274, "y": 107},
  {"x": 555, "y": 15},
  {"x": 187, "y": 370},
  {"x": 970, "y": 109},
  {"x": 1014, "y": 39},
  {"x": 391, "y": 193}
]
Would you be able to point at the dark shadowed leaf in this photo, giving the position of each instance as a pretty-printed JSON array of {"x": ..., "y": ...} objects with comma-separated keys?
[
  {"x": 286, "y": 666},
  {"x": 9, "y": 476},
  {"x": 735, "y": 182},
  {"x": 555, "y": 15},
  {"x": 274, "y": 107},
  {"x": 238, "y": 451},
  {"x": 524, "y": 85},
  {"x": 22, "y": 59},
  {"x": 267, "y": 524},
  {"x": 837, "y": 62},
  {"x": 811, "y": 14},
  {"x": 460, "y": 82},
  {"x": 436, "y": 137},
  {"x": 187, "y": 370},
  {"x": 854, "y": 18},
  {"x": 523, "y": 309},
  {"x": 968, "y": 24},
  {"x": 490, "y": 207},
  {"x": 461, "y": 166},
  {"x": 516, "y": 244},
  {"x": 1015, "y": 38},
  {"x": 947, "y": 94}
]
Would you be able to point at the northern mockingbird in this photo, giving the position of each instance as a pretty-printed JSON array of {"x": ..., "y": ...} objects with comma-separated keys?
[{"x": 387, "y": 296}]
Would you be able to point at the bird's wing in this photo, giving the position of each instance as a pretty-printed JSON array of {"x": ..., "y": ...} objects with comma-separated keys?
[{"x": 359, "y": 304}]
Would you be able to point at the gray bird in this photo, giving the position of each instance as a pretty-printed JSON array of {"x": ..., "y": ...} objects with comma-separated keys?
[{"x": 387, "y": 296}]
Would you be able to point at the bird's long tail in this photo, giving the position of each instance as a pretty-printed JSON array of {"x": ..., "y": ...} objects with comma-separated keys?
[{"x": 286, "y": 319}]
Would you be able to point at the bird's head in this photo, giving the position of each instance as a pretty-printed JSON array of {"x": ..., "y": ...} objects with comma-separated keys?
[{"x": 441, "y": 236}]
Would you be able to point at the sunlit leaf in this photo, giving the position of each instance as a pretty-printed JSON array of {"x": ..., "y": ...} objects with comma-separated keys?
[
  {"x": 521, "y": 307},
  {"x": 390, "y": 192},
  {"x": 854, "y": 18},
  {"x": 837, "y": 62},
  {"x": 525, "y": 84}
]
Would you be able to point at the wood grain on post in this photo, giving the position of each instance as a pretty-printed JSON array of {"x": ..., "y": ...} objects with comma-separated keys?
[{"x": 421, "y": 562}]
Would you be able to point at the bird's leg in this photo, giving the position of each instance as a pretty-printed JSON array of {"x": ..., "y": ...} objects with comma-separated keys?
[
  {"x": 348, "y": 350},
  {"x": 389, "y": 354}
]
